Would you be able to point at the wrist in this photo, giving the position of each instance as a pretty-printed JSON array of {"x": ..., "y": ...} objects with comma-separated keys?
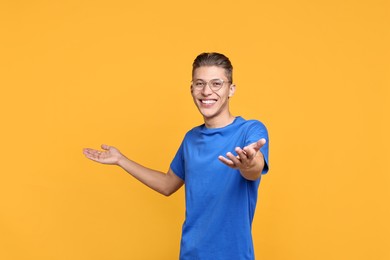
[
  {"x": 254, "y": 170},
  {"x": 121, "y": 161}
]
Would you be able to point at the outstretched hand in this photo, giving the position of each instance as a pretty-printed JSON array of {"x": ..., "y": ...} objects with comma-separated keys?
[
  {"x": 109, "y": 155},
  {"x": 245, "y": 158}
]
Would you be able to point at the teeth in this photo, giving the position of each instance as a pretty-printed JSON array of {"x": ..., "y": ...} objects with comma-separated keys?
[{"x": 208, "y": 101}]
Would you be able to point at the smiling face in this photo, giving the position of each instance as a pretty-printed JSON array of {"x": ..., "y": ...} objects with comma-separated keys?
[{"x": 213, "y": 105}]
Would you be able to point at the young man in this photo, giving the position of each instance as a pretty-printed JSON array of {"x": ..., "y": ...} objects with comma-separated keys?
[{"x": 220, "y": 163}]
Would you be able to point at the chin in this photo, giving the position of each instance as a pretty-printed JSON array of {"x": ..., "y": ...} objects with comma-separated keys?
[
  {"x": 209, "y": 114},
  {"x": 205, "y": 111}
]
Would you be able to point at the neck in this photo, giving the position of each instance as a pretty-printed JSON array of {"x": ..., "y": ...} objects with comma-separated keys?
[{"x": 218, "y": 122}]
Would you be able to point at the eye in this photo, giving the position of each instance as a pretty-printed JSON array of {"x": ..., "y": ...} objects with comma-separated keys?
[
  {"x": 217, "y": 83},
  {"x": 199, "y": 84}
]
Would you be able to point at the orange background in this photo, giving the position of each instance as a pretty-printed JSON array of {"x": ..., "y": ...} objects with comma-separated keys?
[{"x": 75, "y": 74}]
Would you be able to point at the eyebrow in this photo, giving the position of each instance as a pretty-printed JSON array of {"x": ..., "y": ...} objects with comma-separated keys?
[{"x": 210, "y": 79}]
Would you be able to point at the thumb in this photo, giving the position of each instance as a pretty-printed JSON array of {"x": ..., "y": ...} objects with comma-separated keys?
[
  {"x": 260, "y": 143},
  {"x": 105, "y": 147},
  {"x": 256, "y": 145}
]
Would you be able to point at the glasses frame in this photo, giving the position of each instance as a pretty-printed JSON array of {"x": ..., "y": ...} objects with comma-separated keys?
[{"x": 207, "y": 83}]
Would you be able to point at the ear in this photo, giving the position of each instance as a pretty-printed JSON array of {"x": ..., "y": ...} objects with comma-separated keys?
[{"x": 232, "y": 89}]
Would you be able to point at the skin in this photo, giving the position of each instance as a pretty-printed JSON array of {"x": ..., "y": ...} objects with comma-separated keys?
[
  {"x": 218, "y": 114},
  {"x": 164, "y": 183},
  {"x": 249, "y": 160}
]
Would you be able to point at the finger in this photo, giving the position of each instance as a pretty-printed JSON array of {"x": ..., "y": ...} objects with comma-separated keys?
[
  {"x": 93, "y": 154},
  {"x": 234, "y": 159},
  {"x": 93, "y": 158},
  {"x": 250, "y": 152},
  {"x": 105, "y": 147},
  {"x": 257, "y": 145},
  {"x": 242, "y": 155},
  {"x": 226, "y": 161},
  {"x": 90, "y": 154},
  {"x": 89, "y": 151},
  {"x": 261, "y": 143}
]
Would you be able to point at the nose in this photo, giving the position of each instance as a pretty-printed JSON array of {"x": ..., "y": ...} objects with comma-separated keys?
[{"x": 206, "y": 91}]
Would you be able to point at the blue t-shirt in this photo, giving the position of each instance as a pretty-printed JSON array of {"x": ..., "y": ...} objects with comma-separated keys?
[{"x": 220, "y": 203}]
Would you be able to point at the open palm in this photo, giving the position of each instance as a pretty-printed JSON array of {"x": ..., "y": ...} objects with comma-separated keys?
[{"x": 109, "y": 155}]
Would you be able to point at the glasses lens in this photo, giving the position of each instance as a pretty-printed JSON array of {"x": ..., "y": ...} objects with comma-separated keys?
[{"x": 216, "y": 84}]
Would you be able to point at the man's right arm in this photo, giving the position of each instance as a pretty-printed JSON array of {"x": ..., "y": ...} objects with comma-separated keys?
[{"x": 164, "y": 183}]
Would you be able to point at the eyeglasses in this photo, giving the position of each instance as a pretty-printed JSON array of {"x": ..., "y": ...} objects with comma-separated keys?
[{"x": 214, "y": 84}]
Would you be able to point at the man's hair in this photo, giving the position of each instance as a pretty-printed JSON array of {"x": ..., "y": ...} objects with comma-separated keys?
[{"x": 214, "y": 59}]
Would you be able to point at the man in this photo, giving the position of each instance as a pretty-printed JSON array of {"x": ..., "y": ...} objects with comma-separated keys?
[{"x": 221, "y": 191}]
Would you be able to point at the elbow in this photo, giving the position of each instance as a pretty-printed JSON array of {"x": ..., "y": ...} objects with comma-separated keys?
[
  {"x": 167, "y": 193},
  {"x": 170, "y": 185},
  {"x": 170, "y": 189}
]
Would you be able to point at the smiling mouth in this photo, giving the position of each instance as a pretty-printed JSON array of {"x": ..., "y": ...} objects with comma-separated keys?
[{"x": 208, "y": 101}]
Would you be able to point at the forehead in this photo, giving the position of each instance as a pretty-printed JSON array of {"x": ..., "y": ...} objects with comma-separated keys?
[{"x": 209, "y": 72}]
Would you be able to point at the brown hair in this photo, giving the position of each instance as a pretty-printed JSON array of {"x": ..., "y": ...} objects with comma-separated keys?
[{"x": 214, "y": 59}]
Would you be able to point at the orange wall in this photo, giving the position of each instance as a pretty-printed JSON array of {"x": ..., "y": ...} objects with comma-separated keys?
[{"x": 75, "y": 74}]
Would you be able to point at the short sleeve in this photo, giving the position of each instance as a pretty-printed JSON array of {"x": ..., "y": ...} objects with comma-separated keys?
[
  {"x": 256, "y": 131},
  {"x": 177, "y": 164}
]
